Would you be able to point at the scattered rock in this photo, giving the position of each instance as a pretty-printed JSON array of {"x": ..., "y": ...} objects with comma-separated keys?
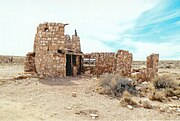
[
  {"x": 146, "y": 103},
  {"x": 74, "y": 94},
  {"x": 18, "y": 77},
  {"x": 174, "y": 98},
  {"x": 162, "y": 109},
  {"x": 68, "y": 108},
  {"x": 144, "y": 83},
  {"x": 93, "y": 116},
  {"x": 41, "y": 77},
  {"x": 130, "y": 107},
  {"x": 92, "y": 113}
]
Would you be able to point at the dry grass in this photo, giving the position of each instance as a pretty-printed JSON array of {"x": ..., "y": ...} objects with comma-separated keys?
[
  {"x": 127, "y": 100},
  {"x": 164, "y": 81},
  {"x": 157, "y": 96},
  {"x": 115, "y": 85},
  {"x": 170, "y": 92},
  {"x": 163, "y": 87}
]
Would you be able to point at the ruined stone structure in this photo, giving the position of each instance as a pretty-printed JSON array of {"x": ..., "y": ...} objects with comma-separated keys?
[
  {"x": 58, "y": 55},
  {"x": 152, "y": 65},
  {"x": 151, "y": 69},
  {"x": 124, "y": 62},
  {"x": 119, "y": 62},
  {"x": 54, "y": 53},
  {"x": 29, "y": 64}
]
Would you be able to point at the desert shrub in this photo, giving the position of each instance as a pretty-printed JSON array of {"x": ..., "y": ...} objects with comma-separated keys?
[
  {"x": 115, "y": 85},
  {"x": 157, "y": 96},
  {"x": 127, "y": 100},
  {"x": 170, "y": 92},
  {"x": 164, "y": 81}
]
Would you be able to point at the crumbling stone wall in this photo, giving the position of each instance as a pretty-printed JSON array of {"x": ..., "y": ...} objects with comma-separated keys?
[
  {"x": 48, "y": 45},
  {"x": 152, "y": 65},
  {"x": 104, "y": 62},
  {"x": 112, "y": 63},
  {"x": 51, "y": 46},
  {"x": 124, "y": 62},
  {"x": 29, "y": 67},
  {"x": 151, "y": 70}
]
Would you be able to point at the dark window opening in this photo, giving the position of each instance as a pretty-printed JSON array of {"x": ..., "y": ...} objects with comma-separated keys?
[
  {"x": 59, "y": 51},
  {"x": 68, "y": 65},
  {"x": 89, "y": 61},
  {"x": 46, "y": 29}
]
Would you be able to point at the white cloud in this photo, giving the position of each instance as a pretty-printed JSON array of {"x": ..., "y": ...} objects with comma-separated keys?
[
  {"x": 143, "y": 49},
  {"x": 98, "y": 19}
]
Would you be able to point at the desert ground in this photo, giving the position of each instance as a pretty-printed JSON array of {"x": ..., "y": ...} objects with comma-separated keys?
[{"x": 53, "y": 99}]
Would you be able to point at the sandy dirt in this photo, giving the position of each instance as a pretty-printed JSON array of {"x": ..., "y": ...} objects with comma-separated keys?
[{"x": 51, "y": 100}]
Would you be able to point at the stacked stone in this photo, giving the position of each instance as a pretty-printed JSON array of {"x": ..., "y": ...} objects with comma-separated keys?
[
  {"x": 29, "y": 64},
  {"x": 76, "y": 43},
  {"x": 105, "y": 63},
  {"x": 50, "y": 34},
  {"x": 49, "y": 45},
  {"x": 124, "y": 62},
  {"x": 152, "y": 66},
  {"x": 68, "y": 42},
  {"x": 95, "y": 55}
]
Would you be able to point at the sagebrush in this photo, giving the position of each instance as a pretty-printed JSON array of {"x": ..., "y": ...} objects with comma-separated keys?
[{"x": 115, "y": 85}]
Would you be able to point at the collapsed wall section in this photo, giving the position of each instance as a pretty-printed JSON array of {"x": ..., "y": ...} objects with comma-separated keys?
[
  {"x": 105, "y": 63},
  {"x": 110, "y": 63},
  {"x": 152, "y": 65},
  {"x": 100, "y": 63},
  {"x": 151, "y": 70},
  {"x": 29, "y": 63}
]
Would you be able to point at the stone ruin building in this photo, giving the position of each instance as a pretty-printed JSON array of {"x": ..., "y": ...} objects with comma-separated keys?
[
  {"x": 151, "y": 69},
  {"x": 54, "y": 54},
  {"x": 58, "y": 55},
  {"x": 119, "y": 62}
]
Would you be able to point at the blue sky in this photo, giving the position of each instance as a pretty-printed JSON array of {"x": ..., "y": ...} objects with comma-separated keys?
[{"x": 140, "y": 26}]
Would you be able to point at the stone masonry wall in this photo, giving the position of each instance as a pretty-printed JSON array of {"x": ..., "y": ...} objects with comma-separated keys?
[
  {"x": 48, "y": 45},
  {"x": 111, "y": 62},
  {"x": 151, "y": 70},
  {"x": 104, "y": 62},
  {"x": 29, "y": 67},
  {"x": 124, "y": 62},
  {"x": 152, "y": 65},
  {"x": 50, "y": 49}
]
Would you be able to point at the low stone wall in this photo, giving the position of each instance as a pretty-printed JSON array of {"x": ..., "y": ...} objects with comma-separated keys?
[
  {"x": 29, "y": 63},
  {"x": 111, "y": 62}
]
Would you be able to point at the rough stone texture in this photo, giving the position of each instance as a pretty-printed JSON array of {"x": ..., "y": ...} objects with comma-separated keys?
[
  {"x": 104, "y": 63},
  {"x": 152, "y": 65},
  {"x": 111, "y": 63},
  {"x": 124, "y": 62},
  {"x": 151, "y": 70},
  {"x": 51, "y": 47},
  {"x": 29, "y": 67}
]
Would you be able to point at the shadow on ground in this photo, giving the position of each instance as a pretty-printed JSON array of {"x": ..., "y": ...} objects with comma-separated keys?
[{"x": 67, "y": 81}]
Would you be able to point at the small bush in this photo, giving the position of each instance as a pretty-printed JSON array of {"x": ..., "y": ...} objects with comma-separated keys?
[
  {"x": 127, "y": 100},
  {"x": 157, "y": 96},
  {"x": 170, "y": 92},
  {"x": 164, "y": 81},
  {"x": 115, "y": 85}
]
